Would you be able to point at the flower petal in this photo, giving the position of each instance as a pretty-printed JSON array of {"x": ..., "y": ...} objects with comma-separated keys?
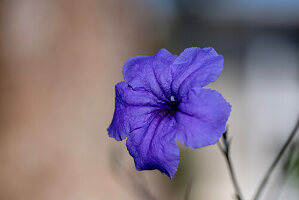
[
  {"x": 133, "y": 109},
  {"x": 202, "y": 117},
  {"x": 151, "y": 73},
  {"x": 154, "y": 146},
  {"x": 195, "y": 67}
]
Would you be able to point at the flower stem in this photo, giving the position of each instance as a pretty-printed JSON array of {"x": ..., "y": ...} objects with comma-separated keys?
[
  {"x": 278, "y": 157},
  {"x": 225, "y": 149}
]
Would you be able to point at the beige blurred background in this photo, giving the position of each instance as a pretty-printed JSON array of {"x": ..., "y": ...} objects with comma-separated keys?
[{"x": 60, "y": 60}]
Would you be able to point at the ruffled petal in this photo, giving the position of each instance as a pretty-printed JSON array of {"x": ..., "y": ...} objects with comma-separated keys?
[
  {"x": 154, "y": 146},
  {"x": 195, "y": 67},
  {"x": 133, "y": 109},
  {"x": 202, "y": 117},
  {"x": 151, "y": 73}
]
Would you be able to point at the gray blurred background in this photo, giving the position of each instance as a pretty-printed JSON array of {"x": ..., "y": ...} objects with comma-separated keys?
[{"x": 60, "y": 60}]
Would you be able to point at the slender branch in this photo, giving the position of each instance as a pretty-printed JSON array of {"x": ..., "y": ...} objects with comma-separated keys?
[
  {"x": 225, "y": 149},
  {"x": 188, "y": 189},
  {"x": 278, "y": 157}
]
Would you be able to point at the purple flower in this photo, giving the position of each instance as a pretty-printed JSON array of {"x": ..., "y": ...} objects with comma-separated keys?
[{"x": 163, "y": 99}]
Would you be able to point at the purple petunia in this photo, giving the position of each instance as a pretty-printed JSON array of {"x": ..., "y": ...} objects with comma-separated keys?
[{"x": 163, "y": 99}]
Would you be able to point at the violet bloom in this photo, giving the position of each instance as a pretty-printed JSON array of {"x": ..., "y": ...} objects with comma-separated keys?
[{"x": 162, "y": 99}]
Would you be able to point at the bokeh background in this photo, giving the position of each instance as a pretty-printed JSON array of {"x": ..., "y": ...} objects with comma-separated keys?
[{"x": 60, "y": 60}]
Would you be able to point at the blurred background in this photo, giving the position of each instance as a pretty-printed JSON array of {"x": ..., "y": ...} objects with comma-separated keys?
[{"x": 60, "y": 60}]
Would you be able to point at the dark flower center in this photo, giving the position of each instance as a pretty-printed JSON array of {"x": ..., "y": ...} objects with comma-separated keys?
[{"x": 173, "y": 105}]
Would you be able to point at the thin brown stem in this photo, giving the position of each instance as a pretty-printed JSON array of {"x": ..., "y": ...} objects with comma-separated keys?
[
  {"x": 274, "y": 164},
  {"x": 225, "y": 149}
]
